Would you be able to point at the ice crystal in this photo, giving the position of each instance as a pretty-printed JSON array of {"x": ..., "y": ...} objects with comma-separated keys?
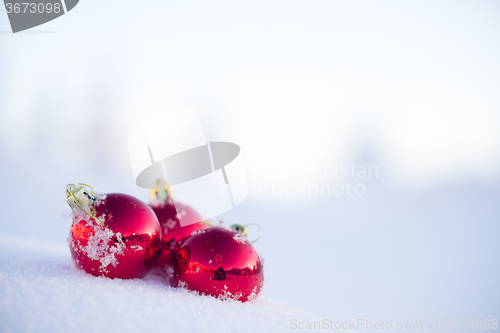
[
  {"x": 253, "y": 295},
  {"x": 228, "y": 295},
  {"x": 98, "y": 246},
  {"x": 239, "y": 238},
  {"x": 225, "y": 227},
  {"x": 100, "y": 198},
  {"x": 199, "y": 232}
]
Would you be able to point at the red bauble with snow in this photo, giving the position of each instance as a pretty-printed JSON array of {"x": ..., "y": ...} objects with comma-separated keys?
[
  {"x": 173, "y": 234},
  {"x": 118, "y": 236},
  {"x": 220, "y": 262},
  {"x": 169, "y": 215}
]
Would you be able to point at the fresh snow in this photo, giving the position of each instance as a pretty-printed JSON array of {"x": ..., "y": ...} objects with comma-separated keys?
[
  {"x": 239, "y": 238},
  {"x": 41, "y": 291}
]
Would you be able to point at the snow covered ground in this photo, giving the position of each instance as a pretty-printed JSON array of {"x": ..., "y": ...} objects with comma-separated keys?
[{"x": 40, "y": 291}]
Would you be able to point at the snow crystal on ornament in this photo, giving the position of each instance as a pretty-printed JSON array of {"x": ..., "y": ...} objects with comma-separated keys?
[
  {"x": 101, "y": 218},
  {"x": 98, "y": 247},
  {"x": 100, "y": 198},
  {"x": 182, "y": 284},
  {"x": 79, "y": 215},
  {"x": 136, "y": 247},
  {"x": 253, "y": 294},
  {"x": 228, "y": 295},
  {"x": 225, "y": 227},
  {"x": 239, "y": 238},
  {"x": 198, "y": 232}
]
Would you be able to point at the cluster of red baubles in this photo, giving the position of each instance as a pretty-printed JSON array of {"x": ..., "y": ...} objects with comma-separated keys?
[{"x": 118, "y": 236}]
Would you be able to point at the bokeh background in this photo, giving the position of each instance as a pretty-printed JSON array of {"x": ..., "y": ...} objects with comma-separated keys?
[{"x": 409, "y": 88}]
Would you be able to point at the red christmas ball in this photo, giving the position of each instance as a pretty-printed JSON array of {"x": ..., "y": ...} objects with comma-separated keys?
[
  {"x": 117, "y": 236},
  {"x": 220, "y": 262},
  {"x": 173, "y": 235}
]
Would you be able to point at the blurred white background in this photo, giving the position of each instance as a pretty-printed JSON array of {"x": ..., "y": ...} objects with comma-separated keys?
[{"x": 409, "y": 87}]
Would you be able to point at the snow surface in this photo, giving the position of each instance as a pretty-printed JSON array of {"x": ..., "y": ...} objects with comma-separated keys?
[{"x": 40, "y": 291}]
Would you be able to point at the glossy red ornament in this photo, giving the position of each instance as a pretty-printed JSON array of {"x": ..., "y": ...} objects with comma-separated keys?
[
  {"x": 126, "y": 246},
  {"x": 219, "y": 261},
  {"x": 173, "y": 235}
]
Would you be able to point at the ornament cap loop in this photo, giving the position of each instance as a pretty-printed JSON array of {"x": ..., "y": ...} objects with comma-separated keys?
[{"x": 77, "y": 195}]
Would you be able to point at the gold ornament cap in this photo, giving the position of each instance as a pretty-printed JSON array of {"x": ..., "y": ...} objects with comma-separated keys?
[
  {"x": 78, "y": 197},
  {"x": 161, "y": 191},
  {"x": 77, "y": 192}
]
